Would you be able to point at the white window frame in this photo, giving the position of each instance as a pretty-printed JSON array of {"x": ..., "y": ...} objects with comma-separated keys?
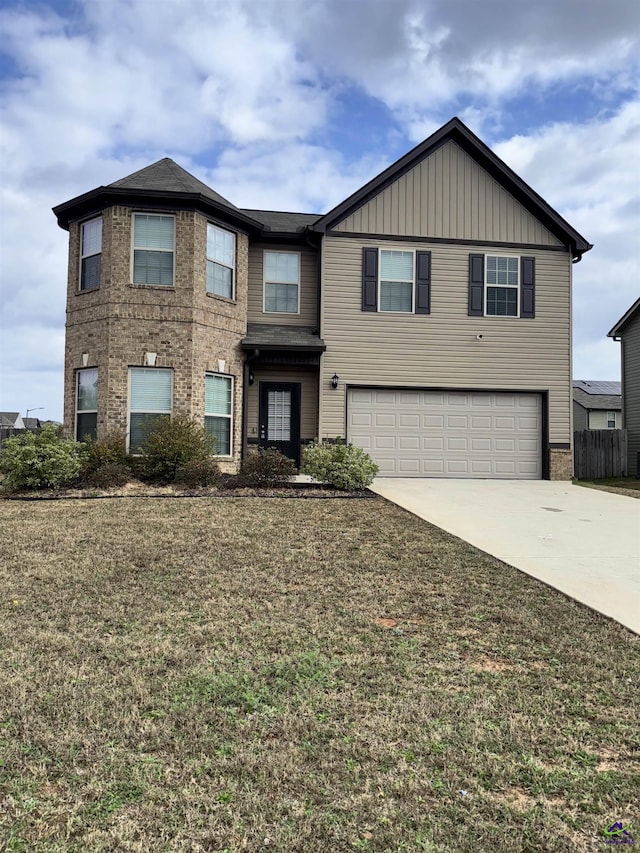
[
  {"x": 488, "y": 284},
  {"x": 266, "y": 252},
  {"x": 411, "y": 252},
  {"x": 136, "y": 411},
  {"x": 611, "y": 416},
  {"x": 220, "y": 263},
  {"x": 218, "y": 415},
  {"x": 84, "y": 411},
  {"x": 146, "y": 249},
  {"x": 92, "y": 255}
]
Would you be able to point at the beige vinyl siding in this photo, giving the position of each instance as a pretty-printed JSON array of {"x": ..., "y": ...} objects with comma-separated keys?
[
  {"x": 631, "y": 390},
  {"x": 308, "y": 399},
  {"x": 448, "y": 195},
  {"x": 598, "y": 420},
  {"x": 308, "y": 304},
  {"x": 440, "y": 350}
]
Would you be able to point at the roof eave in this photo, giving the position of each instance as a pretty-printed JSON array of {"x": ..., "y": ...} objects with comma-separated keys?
[
  {"x": 101, "y": 197},
  {"x": 626, "y": 318}
]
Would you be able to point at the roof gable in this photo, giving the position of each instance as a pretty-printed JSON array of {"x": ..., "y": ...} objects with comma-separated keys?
[
  {"x": 457, "y": 132},
  {"x": 625, "y": 320}
]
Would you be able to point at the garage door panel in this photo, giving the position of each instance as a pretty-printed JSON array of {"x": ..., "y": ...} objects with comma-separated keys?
[{"x": 448, "y": 434}]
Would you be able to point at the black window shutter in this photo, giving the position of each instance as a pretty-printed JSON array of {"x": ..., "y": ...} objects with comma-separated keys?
[
  {"x": 369, "y": 279},
  {"x": 476, "y": 285},
  {"x": 528, "y": 288},
  {"x": 423, "y": 282}
]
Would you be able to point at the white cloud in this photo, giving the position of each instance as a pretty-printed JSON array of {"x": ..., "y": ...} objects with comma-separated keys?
[{"x": 246, "y": 95}]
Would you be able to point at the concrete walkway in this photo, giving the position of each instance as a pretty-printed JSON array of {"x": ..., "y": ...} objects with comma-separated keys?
[{"x": 581, "y": 541}]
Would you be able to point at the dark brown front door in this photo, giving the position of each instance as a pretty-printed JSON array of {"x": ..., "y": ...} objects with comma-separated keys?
[{"x": 280, "y": 418}]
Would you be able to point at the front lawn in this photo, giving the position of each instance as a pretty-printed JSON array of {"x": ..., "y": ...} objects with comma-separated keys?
[
  {"x": 629, "y": 486},
  {"x": 270, "y": 674}
]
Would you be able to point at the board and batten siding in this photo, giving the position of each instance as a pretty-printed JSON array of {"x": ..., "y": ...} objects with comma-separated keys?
[
  {"x": 441, "y": 350},
  {"x": 631, "y": 390},
  {"x": 308, "y": 300},
  {"x": 448, "y": 195},
  {"x": 308, "y": 399}
]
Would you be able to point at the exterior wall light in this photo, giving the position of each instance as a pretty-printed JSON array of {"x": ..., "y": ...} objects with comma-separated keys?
[{"x": 334, "y": 381}]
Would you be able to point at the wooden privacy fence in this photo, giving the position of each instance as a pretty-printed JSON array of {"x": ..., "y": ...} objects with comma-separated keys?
[{"x": 599, "y": 453}]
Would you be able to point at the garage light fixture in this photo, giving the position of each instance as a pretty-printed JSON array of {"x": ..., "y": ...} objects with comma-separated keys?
[{"x": 334, "y": 381}]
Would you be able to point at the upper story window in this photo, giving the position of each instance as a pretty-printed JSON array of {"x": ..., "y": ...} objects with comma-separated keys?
[
  {"x": 611, "y": 420},
  {"x": 90, "y": 254},
  {"x": 221, "y": 261},
  {"x": 396, "y": 280},
  {"x": 86, "y": 403},
  {"x": 153, "y": 249},
  {"x": 281, "y": 282},
  {"x": 501, "y": 286}
]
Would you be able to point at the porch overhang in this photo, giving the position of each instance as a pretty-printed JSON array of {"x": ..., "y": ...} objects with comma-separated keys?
[{"x": 267, "y": 343}]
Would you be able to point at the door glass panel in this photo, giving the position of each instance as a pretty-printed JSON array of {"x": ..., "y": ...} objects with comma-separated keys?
[{"x": 279, "y": 416}]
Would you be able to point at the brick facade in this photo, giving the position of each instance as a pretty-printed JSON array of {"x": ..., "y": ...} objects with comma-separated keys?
[
  {"x": 560, "y": 464},
  {"x": 112, "y": 328}
]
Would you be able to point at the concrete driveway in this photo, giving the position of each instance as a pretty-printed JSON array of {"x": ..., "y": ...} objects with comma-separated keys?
[{"x": 581, "y": 541}]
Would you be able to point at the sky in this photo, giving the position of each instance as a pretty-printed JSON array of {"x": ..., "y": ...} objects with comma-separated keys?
[{"x": 293, "y": 105}]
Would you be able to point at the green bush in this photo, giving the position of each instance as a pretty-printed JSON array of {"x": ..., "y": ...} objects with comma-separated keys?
[
  {"x": 341, "y": 465},
  {"x": 266, "y": 468},
  {"x": 109, "y": 474},
  {"x": 41, "y": 460},
  {"x": 172, "y": 443},
  {"x": 109, "y": 450},
  {"x": 198, "y": 472}
]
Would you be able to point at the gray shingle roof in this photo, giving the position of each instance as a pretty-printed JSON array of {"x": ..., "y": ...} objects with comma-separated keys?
[
  {"x": 594, "y": 400},
  {"x": 273, "y": 336},
  {"x": 274, "y": 220},
  {"x": 166, "y": 176},
  {"x": 8, "y": 418},
  {"x": 598, "y": 386}
]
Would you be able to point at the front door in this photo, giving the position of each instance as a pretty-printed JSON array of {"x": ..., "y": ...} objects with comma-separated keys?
[{"x": 280, "y": 418}]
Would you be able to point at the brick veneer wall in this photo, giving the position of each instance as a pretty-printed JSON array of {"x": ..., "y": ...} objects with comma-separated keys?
[
  {"x": 560, "y": 464},
  {"x": 119, "y": 322}
]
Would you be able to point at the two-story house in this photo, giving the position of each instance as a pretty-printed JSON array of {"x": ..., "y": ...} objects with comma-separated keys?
[{"x": 426, "y": 318}]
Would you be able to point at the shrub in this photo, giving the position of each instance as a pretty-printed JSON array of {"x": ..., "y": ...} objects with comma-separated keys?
[
  {"x": 41, "y": 460},
  {"x": 106, "y": 452},
  {"x": 341, "y": 465},
  {"x": 266, "y": 468},
  {"x": 170, "y": 444},
  {"x": 198, "y": 472},
  {"x": 109, "y": 474}
]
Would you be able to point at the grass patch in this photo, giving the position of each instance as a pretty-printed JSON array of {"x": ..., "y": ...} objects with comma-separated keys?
[
  {"x": 310, "y": 675},
  {"x": 629, "y": 486}
]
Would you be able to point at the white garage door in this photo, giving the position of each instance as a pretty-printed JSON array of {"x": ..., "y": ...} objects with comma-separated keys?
[{"x": 491, "y": 435}]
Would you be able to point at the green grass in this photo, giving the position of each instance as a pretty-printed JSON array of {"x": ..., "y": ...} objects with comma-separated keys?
[
  {"x": 629, "y": 486},
  {"x": 298, "y": 675}
]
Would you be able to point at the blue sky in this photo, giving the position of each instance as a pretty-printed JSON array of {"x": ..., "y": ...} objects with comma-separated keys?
[{"x": 294, "y": 104}]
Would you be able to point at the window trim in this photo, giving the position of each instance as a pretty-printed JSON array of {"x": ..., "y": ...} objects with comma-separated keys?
[
  {"x": 84, "y": 411},
  {"x": 131, "y": 411},
  {"x": 265, "y": 282},
  {"x": 82, "y": 289},
  {"x": 515, "y": 287},
  {"x": 412, "y": 252},
  {"x": 217, "y": 415},
  {"x": 215, "y": 225},
  {"x": 145, "y": 249}
]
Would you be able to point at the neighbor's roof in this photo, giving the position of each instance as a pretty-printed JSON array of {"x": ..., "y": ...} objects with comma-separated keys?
[
  {"x": 624, "y": 320},
  {"x": 597, "y": 394},
  {"x": 8, "y": 418},
  {"x": 275, "y": 337},
  {"x": 456, "y": 131}
]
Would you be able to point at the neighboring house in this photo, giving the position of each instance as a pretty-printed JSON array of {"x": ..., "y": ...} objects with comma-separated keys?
[
  {"x": 627, "y": 331},
  {"x": 426, "y": 318},
  {"x": 597, "y": 405},
  {"x": 11, "y": 420}
]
